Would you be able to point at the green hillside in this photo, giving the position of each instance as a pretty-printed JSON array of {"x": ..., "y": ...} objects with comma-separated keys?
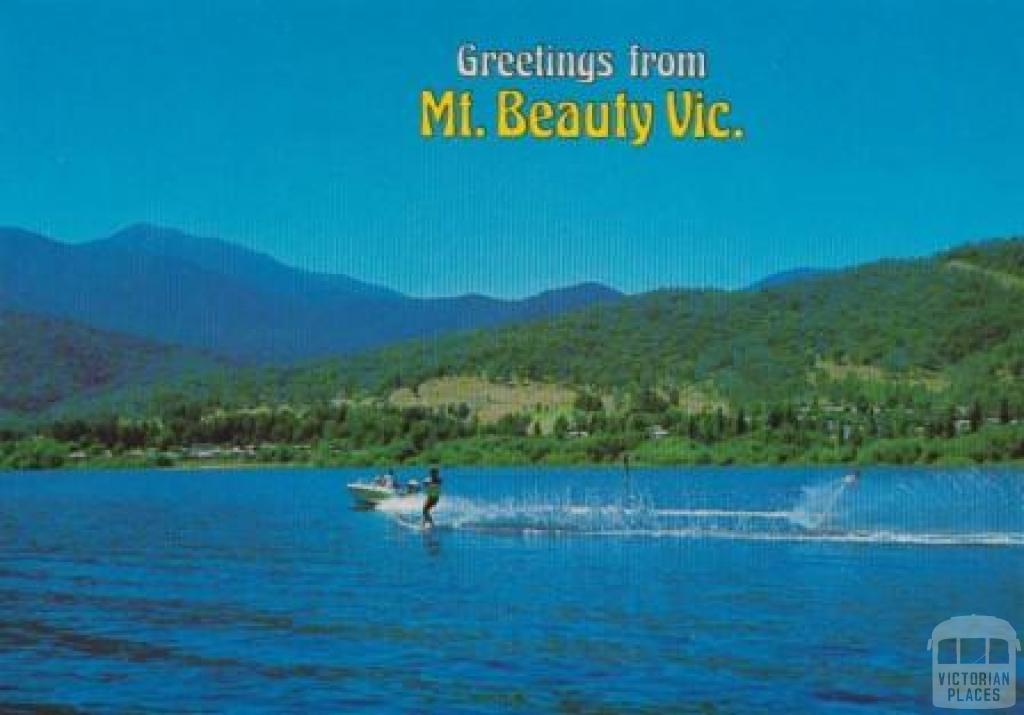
[
  {"x": 47, "y": 363},
  {"x": 895, "y": 361},
  {"x": 1003, "y": 256},
  {"x": 896, "y": 328}
]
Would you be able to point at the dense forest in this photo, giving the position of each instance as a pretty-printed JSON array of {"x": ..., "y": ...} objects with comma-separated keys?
[{"x": 897, "y": 361}]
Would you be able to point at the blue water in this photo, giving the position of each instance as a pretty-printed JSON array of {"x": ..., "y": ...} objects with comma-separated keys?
[{"x": 567, "y": 590}]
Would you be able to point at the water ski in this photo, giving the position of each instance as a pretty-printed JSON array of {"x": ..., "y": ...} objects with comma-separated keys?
[{"x": 409, "y": 521}]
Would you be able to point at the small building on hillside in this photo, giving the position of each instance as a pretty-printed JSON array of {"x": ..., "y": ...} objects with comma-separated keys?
[{"x": 657, "y": 432}]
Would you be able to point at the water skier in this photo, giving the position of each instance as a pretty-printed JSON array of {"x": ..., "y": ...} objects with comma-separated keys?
[{"x": 432, "y": 487}]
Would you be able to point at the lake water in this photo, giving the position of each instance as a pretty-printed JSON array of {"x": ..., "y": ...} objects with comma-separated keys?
[{"x": 567, "y": 590}]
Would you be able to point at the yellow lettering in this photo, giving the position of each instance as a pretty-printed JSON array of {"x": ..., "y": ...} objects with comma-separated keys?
[
  {"x": 715, "y": 131},
  {"x": 679, "y": 119},
  {"x": 510, "y": 120},
  {"x": 541, "y": 112},
  {"x": 434, "y": 112}
]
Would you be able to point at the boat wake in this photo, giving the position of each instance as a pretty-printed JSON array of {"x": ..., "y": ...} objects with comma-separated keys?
[{"x": 819, "y": 515}]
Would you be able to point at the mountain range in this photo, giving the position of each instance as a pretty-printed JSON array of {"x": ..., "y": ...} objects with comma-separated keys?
[
  {"x": 927, "y": 334},
  {"x": 90, "y": 323},
  {"x": 207, "y": 294}
]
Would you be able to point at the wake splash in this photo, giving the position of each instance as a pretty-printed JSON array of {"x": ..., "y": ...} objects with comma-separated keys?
[{"x": 818, "y": 515}]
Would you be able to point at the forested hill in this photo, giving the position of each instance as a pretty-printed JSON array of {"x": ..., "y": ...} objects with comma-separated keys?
[
  {"x": 950, "y": 324},
  {"x": 937, "y": 331},
  {"x": 1003, "y": 256},
  {"x": 948, "y": 328},
  {"x": 46, "y": 362},
  {"x": 912, "y": 361}
]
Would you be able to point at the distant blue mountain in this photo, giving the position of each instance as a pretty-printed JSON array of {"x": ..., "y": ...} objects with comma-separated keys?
[
  {"x": 170, "y": 287},
  {"x": 785, "y": 278},
  {"x": 238, "y": 263}
]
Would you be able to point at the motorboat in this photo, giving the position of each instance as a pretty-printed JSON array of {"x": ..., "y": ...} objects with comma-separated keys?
[{"x": 381, "y": 488}]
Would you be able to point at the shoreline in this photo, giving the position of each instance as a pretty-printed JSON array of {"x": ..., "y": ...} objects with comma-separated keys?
[
  {"x": 1009, "y": 465},
  {"x": 990, "y": 445}
]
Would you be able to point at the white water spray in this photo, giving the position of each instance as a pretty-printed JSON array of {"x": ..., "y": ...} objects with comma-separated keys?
[
  {"x": 817, "y": 506},
  {"x": 823, "y": 512}
]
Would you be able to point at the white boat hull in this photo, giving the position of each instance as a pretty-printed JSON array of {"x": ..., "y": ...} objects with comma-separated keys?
[
  {"x": 381, "y": 489},
  {"x": 370, "y": 493}
]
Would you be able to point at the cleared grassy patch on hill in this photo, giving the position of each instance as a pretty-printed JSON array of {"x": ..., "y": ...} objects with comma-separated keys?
[
  {"x": 1007, "y": 280},
  {"x": 932, "y": 381},
  {"x": 489, "y": 401}
]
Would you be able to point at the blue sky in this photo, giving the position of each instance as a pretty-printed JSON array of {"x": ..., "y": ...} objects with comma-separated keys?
[{"x": 873, "y": 129}]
